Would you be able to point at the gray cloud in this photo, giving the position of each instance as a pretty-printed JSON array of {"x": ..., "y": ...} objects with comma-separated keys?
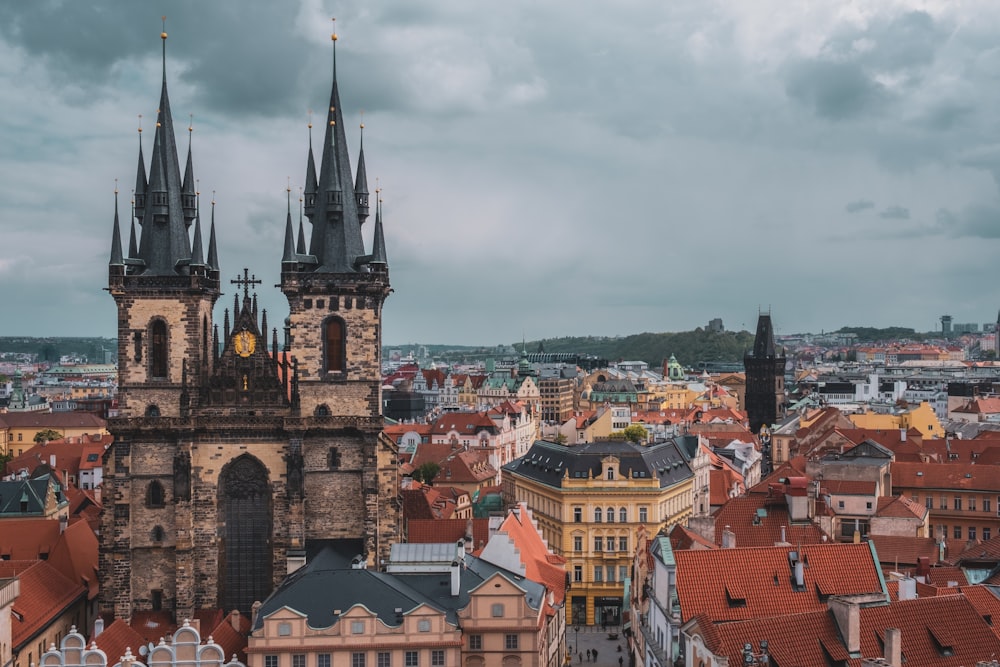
[
  {"x": 895, "y": 213},
  {"x": 859, "y": 205}
]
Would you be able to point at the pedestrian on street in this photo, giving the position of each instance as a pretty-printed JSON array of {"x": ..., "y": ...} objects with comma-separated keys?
[
  {"x": 581, "y": 656},
  {"x": 595, "y": 655},
  {"x": 588, "y": 655},
  {"x": 620, "y": 661}
]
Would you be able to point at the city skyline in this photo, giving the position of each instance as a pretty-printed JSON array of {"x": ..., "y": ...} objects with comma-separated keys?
[{"x": 546, "y": 171}]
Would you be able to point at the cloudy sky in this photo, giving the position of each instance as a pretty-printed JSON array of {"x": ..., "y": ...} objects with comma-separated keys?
[{"x": 548, "y": 169}]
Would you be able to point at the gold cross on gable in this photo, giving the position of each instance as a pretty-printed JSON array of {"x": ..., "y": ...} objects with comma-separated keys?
[{"x": 246, "y": 281}]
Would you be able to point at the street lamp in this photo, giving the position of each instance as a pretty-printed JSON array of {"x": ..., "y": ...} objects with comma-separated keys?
[{"x": 576, "y": 630}]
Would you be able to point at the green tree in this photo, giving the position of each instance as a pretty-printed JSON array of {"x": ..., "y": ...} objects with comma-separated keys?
[
  {"x": 633, "y": 433},
  {"x": 426, "y": 472},
  {"x": 47, "y": 434}
]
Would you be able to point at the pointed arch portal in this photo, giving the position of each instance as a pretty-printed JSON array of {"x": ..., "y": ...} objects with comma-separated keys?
[{"x": 245, "y": 559}]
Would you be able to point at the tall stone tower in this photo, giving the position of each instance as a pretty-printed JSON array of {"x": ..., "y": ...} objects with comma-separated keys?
[
  {"x": 765, "y": 373},
  {"x": 233, "y": 457}
]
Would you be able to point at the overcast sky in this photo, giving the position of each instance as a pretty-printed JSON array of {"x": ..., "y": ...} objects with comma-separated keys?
[{"x": 548, "y": 168}]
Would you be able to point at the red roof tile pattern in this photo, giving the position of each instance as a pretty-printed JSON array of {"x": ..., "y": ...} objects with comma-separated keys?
[
  {"x": 946, "y": 476},
  {"x": 742, "y": 583},
  {"x": 753, "y": 530},
  {"x": 540, "y": 564},
  {"x": 436, "y": 531},
  {"x": 923, "y": 623},
  {"x": 988, "y": 551},
  {"x": 153, "y": 625},
  {"x": 901, "y": 507},
  {"x": 902, "y": 552},
  {"x": 118, "y": 637},
  {"x": 683, "y": 538},
  {"x": 45, "y": 594},
  {"x": 53, "y": 420}
]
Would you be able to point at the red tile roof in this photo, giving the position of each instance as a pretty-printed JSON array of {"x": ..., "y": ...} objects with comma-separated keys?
[
  {"x": 153, "y": 625},
  {"x": 45, "y": 594},
  {"x": 116, "y": 638},
  {"x": 900, "y": 507},
  {"x": 53, "y": 420},
  {"x": 435, "y": 531},
  {"x": 752, "y": 530},
  {"x": 902, "y": 552},
  {"x": 540, "y": 564},
  {"x": 742, "y": 583},
  {"x": 946, "y": 476},
  {"x": 683, "y": 538}
]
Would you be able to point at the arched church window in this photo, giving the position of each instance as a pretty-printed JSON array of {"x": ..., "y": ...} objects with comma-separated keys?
[
  {"x": 321, "y": 410},
  {"x": 155, "y": 494},
  {"x": 334, "y": 340},
  {"x": 157, "y": 534},
  {"x": 158, "y": 350},
  {"x": 152, "y": 411}
]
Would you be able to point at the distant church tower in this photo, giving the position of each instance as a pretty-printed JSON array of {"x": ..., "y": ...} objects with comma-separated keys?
[
  {"x": 232, "y": 458},
  {"x": 765, "y": 377}
]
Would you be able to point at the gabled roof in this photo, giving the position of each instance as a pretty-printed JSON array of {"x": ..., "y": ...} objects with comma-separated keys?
[
  {"x": 900, "y": 507},
  {"x": 433, "y": 531},
  {"x": 902, "y": 552},
  {"x": 756, "y": 521},
  {"x": 118, "y": 637},
  {"x": 69, "y": 454},
  {"x": 683, "y": 538},
  {"x": 742, "y": 583},
  {"x": 540, "y": 564},
  {"x": 45, "y": 595}
]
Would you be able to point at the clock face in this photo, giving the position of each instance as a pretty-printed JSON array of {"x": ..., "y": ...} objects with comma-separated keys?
[{"x": 244, "y": 343}]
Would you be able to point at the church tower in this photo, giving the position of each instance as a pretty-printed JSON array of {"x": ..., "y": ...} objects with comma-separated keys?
[
  {"x": 233, "y": 457},
  {"x": 765, "y": 377}
]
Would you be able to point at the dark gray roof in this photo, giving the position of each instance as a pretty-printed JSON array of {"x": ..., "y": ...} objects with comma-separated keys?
[
  {"x": 327, "y": 583},
  {"x": 548, "y": 463},
  {"x": 32, "y": 492}
]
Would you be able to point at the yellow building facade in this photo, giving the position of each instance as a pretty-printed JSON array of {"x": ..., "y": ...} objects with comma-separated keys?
[
  {"x": 590, "y": 500},
  {"x": 921, "y": 418}
]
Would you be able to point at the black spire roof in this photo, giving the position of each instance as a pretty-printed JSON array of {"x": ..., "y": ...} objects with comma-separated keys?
[
  {"x": 336, "y": 237},
  {"x": 361, "y": 182},
  {"x": 378, "y": 242},
  {"x": 763, "y": 343},
  {"x": 116, "y": 239},
  {"x": 164, "y": 246},
  {"x": 213, "y": 252}
]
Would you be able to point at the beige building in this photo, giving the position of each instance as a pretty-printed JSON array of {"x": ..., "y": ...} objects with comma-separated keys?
[{"x": 589, "y": 501}]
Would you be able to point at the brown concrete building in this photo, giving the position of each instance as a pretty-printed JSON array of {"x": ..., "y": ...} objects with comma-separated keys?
[{"x": 233, "y": 455}]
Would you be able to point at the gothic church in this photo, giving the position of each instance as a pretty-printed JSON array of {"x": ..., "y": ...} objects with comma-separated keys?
[{"x": 233, "y": 455}]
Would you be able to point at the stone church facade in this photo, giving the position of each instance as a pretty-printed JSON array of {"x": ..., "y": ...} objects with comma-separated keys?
[{"x": 234, "y": 455}]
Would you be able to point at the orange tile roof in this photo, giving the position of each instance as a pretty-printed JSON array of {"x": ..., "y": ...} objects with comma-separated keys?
[
  {"x": 952, "y": 619},
  {"x": 45, "y": 594},
  {"x": 946, "y": 476},
  {"x": 540, "y": 564},
  {"x": 742, "y": 583},
  {"x": 983, "y": 551},
  {"x": 68, "y": 453},
  {"x": 54, "y": 420},
  {"x": 233, "y": 642},
  {"x": 740, "y": 514},
  {"x": 900, "y": 507},
  {"x": 986, "y": 603},
  {"x": 683, "y": 538},
  {"x": 153, "y": 625},
  {"x": 902, "y": 552},
  {"x": 435, "y": 531},
  {"x": 75, "y": 554},
  {"x": 117, "y": 637}
]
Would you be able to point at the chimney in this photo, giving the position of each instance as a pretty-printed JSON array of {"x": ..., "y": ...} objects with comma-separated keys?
[
  {"x": 728, "y": 538},
  {"x": 907, "y": 588},
  {"x": 234, "y": 619},
  {"x": 847, "y": 614},
  {"x": 456, "y": 578},
  {"x": 63, "y": 522},
  {"x": 254, "y": 611},
  {"x": 783, "y": 540},
  {"x": 923, "y": 567},
  {"x": 98, "y": 627},
  {"x": 52, "y": 461},
  {"x": 902, "y": 434},
  {"x": 894, "y": 647}
]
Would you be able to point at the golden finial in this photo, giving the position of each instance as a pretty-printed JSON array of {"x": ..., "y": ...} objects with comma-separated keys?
[
  {"x": 213, "y": 197},
  {"x": 310, "y": 119},
  {"x": 333, "y": 35},
  {"x": 362, "y": 119},
  {"x": 288, "y": 186},
  {"x": 300, "y": 194},
  {"x": 332, "y": 123},
  {"x": 197, "y": 187},
  {"x": 190, "y": 122},
  {"x": 140, "y": 123},
  {"x": 116, "y": 187},
  {"x": 163, "y": 35},
  {"x": 132, "y": 198},
  {"x": 332, "y": 109}
]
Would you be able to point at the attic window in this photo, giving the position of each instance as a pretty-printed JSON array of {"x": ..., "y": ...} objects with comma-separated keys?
[
  {"x": 735, "y": 598},
  {"x": 943, "y": 640}
]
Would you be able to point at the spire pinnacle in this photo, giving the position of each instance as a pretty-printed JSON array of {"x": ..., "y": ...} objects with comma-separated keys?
[
  {"x": 163, "y": 36},
  {"x": 197, "y": 253},
  {"x": 378, "y": 241},
  {"x": 116, "y": 238},
  {"x": 333, "y": 38},
  {"x": 213, "y": 255},
  {"x": 301, "y": 245},
  {"x": 288, "y": 256},
  {"x": 361, "y": 180}
]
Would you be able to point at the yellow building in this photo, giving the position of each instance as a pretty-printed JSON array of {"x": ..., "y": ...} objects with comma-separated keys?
[
  {"x": 18, "y": 429},
  {"x": 921, "y": 418},
  {"x": 589, "y": 501}
]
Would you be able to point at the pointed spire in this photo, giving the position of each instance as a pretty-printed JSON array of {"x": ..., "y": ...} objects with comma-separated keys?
[
  {"x": 311, "y": 185},
  {"x": 361, "y": 182},
  {"x": 300, "y": 247},
  {"x": 263, "y": 328},
  {"x": 188, "y": 194},
  {"x": 116, "y": 237},
  {"x": 215, "y": 342},
  {"x": 288, "y": 256},
  {"x": 336, "y": 238},
  {"x": 378, "y": 241},
  {"x": 140, "y": 183},
  {"x": 226, "y": 331},
  {"x": 165, "y": 246},
  {"x": 236, "y": 310},
  {"x": 133, "y": 247},
  {"x": 213, "y": 253},
  {"x": 197, "y": 254}
]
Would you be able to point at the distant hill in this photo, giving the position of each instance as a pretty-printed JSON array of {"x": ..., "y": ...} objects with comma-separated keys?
[
  {"x": 690, "y": 347},
  {"x": 52, "y": 348}
]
